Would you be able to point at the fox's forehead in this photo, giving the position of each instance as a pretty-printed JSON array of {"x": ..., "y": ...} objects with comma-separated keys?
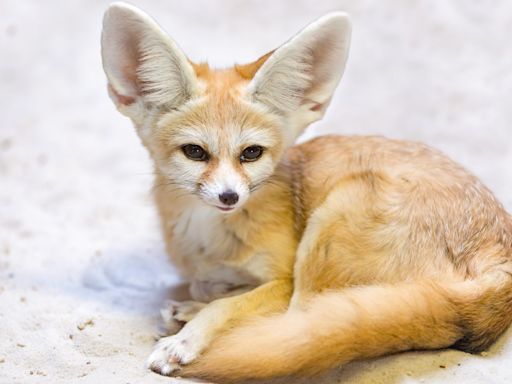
[
  {"x": 220, "y": 83},
  {"x": 220, "y": 118},
  {"x": 228, "y": 79}
]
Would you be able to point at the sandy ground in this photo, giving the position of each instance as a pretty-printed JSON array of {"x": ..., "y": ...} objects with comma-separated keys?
[{"x": 82, "y": 266}]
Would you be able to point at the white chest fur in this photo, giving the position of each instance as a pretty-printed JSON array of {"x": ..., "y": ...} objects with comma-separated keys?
[{"x": 206, "y": 245}]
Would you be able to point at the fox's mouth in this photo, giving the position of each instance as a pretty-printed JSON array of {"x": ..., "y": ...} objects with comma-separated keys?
[{"x": 225, "y": 209}]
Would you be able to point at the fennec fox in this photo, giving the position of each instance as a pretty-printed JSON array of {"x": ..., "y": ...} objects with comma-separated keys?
[{"x": 304, "y": 257}]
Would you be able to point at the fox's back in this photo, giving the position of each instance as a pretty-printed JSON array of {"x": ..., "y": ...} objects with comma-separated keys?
[
  {"x": 404, "y": 195},
  {"x": 327, "y": 161}
]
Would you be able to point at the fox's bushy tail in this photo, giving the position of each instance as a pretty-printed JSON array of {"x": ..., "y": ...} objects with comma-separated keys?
[{"x": 363, "y": 322}]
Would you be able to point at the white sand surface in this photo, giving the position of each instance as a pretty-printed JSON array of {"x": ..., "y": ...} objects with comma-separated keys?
[{"x": 82, "y": 266}]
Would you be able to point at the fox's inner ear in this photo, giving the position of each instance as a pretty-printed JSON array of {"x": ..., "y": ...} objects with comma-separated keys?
[
  {"x": 143, "y": 62},
  {"x": 298, "y": 79}
]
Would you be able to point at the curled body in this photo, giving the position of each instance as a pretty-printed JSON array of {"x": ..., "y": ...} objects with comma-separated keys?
[
  {"x": 390, "y": 246},
  {"x": 304, "y": 257}
]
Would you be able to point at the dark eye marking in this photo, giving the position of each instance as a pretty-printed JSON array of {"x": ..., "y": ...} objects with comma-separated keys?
[
  {"x": 195, "y": 152},
  {"x": 251, "y": 153}
]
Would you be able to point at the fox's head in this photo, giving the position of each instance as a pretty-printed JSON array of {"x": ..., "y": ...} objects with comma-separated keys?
[{"x": 218, "y": 134}]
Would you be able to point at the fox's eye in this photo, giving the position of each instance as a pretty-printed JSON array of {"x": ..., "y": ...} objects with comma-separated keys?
[
  {"x": 251, "y": 153},
  {"x": 194, "y": 152}
]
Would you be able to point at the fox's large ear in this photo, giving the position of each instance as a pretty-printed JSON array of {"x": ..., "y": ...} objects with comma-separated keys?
[
  {"x": 298, "y": 79},
  {"x": 142, "y": 62}
]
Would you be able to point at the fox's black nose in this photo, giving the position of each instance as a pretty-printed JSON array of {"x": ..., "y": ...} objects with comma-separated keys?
[{"x": 229, "y": 197}]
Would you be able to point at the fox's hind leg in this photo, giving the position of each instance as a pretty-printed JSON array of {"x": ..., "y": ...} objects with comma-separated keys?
[
  {"x": 361, "y": 235},
  {"x": 336, "y": 249}
]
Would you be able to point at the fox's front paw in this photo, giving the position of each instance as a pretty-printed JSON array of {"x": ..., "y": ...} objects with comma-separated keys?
[{"x": 172, "y": 352}]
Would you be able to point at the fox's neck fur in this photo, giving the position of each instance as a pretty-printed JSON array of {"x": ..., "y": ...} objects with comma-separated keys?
[{"x": 248, "y": 247}]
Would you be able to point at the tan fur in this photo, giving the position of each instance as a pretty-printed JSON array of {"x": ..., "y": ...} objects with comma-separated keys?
[
  {"x": 431, "y": 237},
  {"x": 341, "y": 248}
]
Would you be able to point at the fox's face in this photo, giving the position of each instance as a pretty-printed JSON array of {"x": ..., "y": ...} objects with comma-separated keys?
[
  {"x": 217, "y": 147},
  {"x": 219, "y": 134}
]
